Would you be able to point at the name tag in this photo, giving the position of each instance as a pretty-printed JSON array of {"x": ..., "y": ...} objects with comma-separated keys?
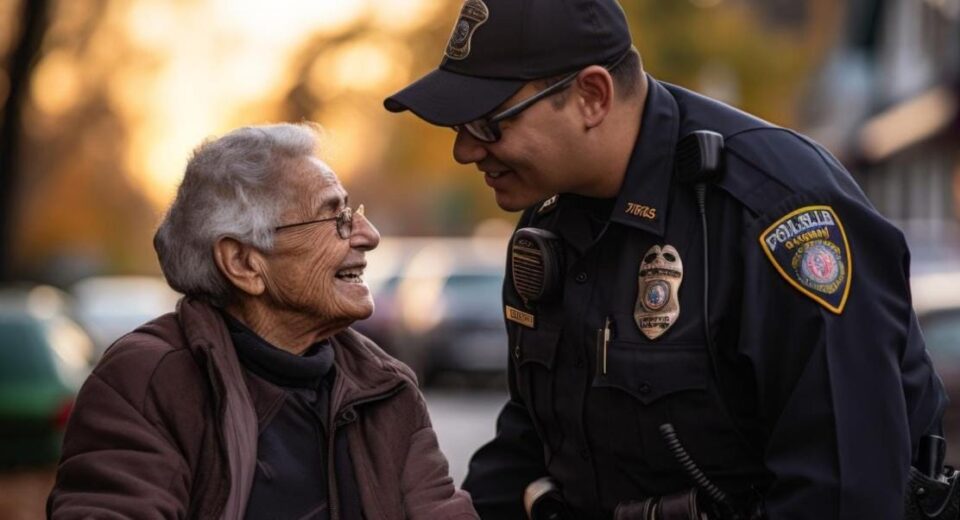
[{"x": 517, "y": 316}]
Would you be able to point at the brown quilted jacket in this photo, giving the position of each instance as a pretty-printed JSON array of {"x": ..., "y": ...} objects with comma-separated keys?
[{"x": 166, "y": 427}]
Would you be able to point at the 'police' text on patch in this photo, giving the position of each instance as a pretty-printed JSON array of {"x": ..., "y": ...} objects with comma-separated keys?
[{"x": 809, "y": 248}]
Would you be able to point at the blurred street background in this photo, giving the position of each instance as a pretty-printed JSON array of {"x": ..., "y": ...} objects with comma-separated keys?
[{"x": 101, "y": 102}]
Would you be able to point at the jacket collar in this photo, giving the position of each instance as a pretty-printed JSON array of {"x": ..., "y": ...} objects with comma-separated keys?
[
  {"x": 207, "y": 336},
  {"x": 364, "y": 371},
  {"x": 644, "y": 196}
]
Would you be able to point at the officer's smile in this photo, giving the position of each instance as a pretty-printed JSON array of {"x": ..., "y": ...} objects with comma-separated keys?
[{"x": 493, "y": 177}]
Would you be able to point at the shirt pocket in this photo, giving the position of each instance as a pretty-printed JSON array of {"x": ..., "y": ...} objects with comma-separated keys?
[
  {"x": 649, "y": 373},
  {"x": 673, "y": 383}
]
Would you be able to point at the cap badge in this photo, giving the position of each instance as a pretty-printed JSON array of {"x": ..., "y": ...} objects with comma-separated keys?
[
  {"x": 473, "y": 14},
  {"x": 658, "y": 306},
  {"x": 809, "y": 248}
]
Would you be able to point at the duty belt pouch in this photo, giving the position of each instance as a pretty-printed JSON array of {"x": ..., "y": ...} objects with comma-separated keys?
[
  {"x": 931, "y": 499},
  {"x": 678, "y": 506}
]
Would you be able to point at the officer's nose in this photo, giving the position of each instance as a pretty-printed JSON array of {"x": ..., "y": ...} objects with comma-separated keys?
[{"x": 467, "y": 148}]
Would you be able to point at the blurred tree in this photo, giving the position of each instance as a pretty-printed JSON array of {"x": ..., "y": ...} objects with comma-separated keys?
[
  {"x": 77, "y": 212},
  {"x": 22, "y": 58}
]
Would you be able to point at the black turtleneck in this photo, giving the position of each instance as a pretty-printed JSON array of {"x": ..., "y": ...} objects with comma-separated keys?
[{"x": 291, "y": 478}]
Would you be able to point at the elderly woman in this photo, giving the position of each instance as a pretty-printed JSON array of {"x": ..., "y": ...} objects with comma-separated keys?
[{"x": 254, "y": 399}]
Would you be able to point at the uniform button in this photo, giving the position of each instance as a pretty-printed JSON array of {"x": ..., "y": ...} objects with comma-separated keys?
[
  {"x": 581, "y": 277},
  {"x": 584, "y": 454},
  {"x": 645, "y": 388}
]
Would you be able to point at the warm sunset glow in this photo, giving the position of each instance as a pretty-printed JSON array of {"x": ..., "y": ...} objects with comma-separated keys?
[
  {"x": 367, "y": 65},
  {"x": 199, "y": 69},
  {"x": 351, "y": 141},
  {"x": 57, "y": 83},
  {"x": 404, "y": 15}
]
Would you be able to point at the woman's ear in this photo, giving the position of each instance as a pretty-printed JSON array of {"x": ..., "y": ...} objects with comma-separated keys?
[
  {"x": 241, "y": 264},
  {"x": 594, "y": 90}
]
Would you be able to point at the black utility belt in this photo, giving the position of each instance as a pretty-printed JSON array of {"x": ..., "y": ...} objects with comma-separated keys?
[
  {"x": 932, "y": 498},
  {"x": 925, "y": 499},
  {"x": 689, "y": 504}
]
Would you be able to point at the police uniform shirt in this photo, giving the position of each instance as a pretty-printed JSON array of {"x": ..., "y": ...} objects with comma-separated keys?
[{"x": 820, "y": 388}]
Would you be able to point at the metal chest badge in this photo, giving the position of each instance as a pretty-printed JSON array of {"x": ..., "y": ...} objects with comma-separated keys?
[
  {"x": 472, "y": 15},
  {"x": 809, "y": 248},
  {"x": 658, "y": 304}
]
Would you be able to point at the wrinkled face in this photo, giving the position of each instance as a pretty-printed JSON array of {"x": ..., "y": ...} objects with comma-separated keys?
[
  {"x": 311, "y": 270},
  {"x": 532, "y": 160}
]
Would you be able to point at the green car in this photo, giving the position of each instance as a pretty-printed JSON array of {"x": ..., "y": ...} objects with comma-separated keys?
[{"x": 44, "y": 358}]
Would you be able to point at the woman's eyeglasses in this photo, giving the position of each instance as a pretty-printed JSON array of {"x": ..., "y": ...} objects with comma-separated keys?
[{"x": 344, "y": 220}]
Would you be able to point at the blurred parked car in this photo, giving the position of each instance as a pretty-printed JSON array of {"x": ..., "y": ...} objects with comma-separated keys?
[
  {"x": 936, "y": 298},
  {"x": 44, "y": 358},
  {"x": 439, "y": 311},
  {"x": 111, "y": 306}
]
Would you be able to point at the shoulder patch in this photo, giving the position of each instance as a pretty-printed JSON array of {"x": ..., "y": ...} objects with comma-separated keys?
[{"x": 809, "y": 248}]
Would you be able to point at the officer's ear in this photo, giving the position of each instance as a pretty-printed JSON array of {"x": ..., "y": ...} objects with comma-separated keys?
[{"x": 594, "y": 95}]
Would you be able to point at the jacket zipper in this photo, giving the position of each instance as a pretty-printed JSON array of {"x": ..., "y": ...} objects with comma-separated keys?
[{"x": 346, "y": 415}]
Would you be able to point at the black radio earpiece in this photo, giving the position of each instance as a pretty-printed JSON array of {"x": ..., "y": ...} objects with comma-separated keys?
[{"x": 699, "y": 157}]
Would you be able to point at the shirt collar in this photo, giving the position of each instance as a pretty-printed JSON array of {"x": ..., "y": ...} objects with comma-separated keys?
[{"x": 642, "y": 202}]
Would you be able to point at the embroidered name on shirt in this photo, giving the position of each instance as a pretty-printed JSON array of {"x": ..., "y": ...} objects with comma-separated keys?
[{"x": 640, "y": 210}]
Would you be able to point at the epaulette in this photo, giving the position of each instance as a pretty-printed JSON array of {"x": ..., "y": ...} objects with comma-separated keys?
[{"x": 780, "y": 163}]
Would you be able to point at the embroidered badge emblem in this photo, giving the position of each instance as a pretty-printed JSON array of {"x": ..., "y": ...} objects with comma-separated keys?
[
  {"x": 472, "y": 15},
  {"x": 809, "y": 248},
  {"x": 658, "y": 306}
]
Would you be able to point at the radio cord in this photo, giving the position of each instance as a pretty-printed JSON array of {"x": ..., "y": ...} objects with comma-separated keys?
[
  {"x": 701, "y": 191},
  {"x": 673, "y": 443}
]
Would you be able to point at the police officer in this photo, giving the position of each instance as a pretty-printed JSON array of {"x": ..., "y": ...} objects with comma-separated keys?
[{"x": 696, "y": 299}]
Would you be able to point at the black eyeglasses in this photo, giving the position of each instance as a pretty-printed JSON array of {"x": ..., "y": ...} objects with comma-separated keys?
[
  {"x": 487, "y": 129},
  {"x": 344, "y": 219}
]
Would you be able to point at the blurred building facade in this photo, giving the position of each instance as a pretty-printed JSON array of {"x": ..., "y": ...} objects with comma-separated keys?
[{"x": 887, "y": 102}]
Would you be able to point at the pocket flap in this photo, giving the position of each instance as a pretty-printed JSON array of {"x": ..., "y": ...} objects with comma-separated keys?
[{"x": 649, "y": 373}]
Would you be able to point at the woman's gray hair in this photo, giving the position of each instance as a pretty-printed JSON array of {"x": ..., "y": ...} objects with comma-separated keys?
[{"x": 231, "y": 188}]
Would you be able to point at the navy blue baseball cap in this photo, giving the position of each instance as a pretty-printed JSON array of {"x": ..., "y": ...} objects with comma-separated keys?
[{"x": 497, "y": 46}]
